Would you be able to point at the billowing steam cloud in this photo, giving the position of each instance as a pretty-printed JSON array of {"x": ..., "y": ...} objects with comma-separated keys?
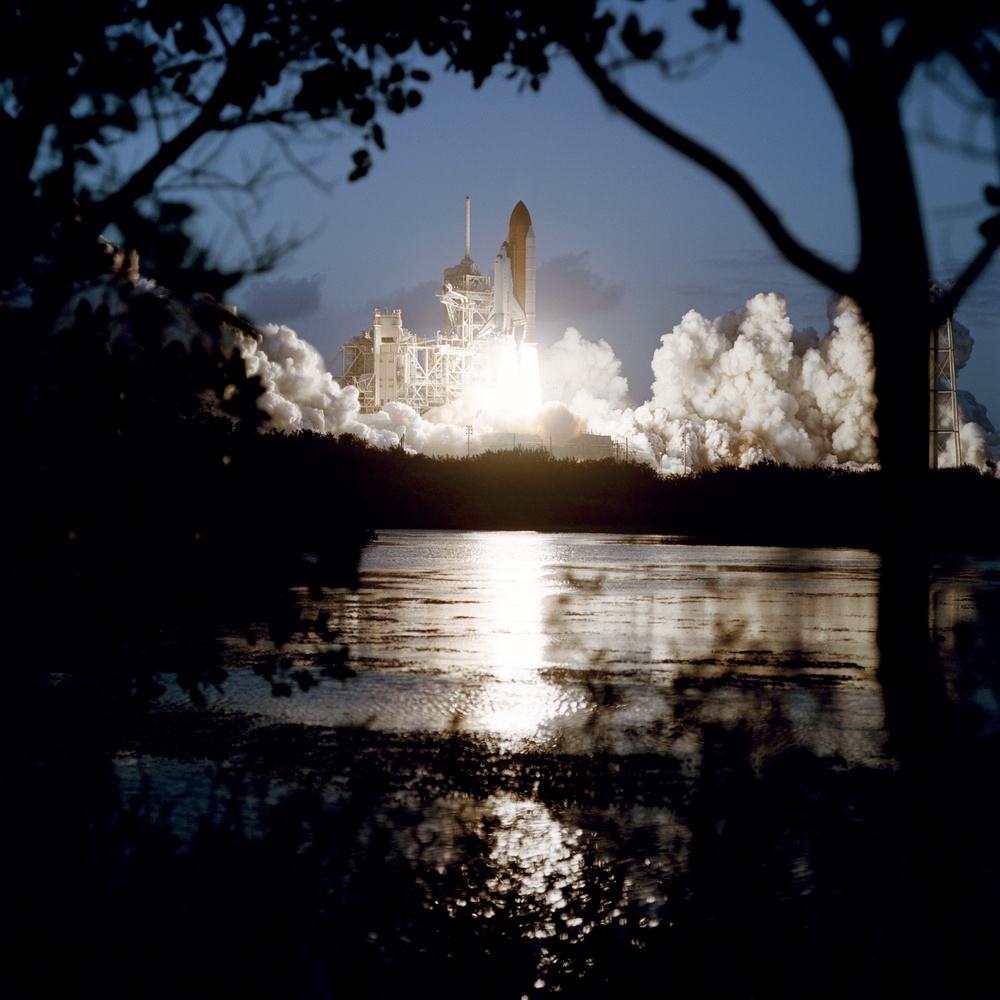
[
  {"x": 744, "y": 388},
  {"x": 747, "y": 387},
  {"x": 301, "y": 395}
]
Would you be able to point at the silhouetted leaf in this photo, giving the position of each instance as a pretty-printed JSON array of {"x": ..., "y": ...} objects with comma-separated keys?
[
  {"x": 396, "y": 101},
  {"x": 991, "y": 228},
  {"x": 363, "y": 112},
  {"x": 643, "y": 46},
  {"x": 716, "y": 14},
  {"x": 362, "y": 164}
]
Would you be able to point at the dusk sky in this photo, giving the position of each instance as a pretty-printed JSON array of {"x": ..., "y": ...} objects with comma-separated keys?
[{"x": 629, "y": 235}]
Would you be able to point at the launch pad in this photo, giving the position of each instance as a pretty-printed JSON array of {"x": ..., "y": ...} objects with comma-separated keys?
[{"x": 487, "y": 341}]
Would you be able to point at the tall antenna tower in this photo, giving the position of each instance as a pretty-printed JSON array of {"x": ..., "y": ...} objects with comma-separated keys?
[{"x": 945, "y": 442}]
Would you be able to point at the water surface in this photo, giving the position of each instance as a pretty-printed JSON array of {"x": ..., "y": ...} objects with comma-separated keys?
[
  {"x": 543, "y": 639},
  {"x": 593, "y": 764}
]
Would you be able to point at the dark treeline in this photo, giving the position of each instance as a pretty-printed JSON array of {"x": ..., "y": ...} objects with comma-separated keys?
[
  {"x": 208, "y": 519},
  {"x": 343, "y": 482}
]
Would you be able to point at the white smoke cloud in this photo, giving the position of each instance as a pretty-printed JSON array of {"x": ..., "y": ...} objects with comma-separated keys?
[
  {"x": 577, "y": 370},
  {"x": 743, "y": 388},
  {"x": 298, "y": 394},
  {"x": 746, "y": 388},
  {"x": 740, "y": 389}
]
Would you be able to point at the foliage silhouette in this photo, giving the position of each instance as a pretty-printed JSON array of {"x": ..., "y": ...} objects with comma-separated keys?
[
  {"x": 107, "y": 117},
  {"x": 394, "y": 864}
]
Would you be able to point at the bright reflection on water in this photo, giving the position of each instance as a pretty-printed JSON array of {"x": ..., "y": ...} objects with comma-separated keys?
[
  {"x": 503, "y": 608},
  {"x": 556, "y": 755},
  {"x": 526, "y": 850},
  {"x": 564, "y": 639}
]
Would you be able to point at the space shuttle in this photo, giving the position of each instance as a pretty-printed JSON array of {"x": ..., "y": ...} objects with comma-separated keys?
[{"x": 514, "y": 279}]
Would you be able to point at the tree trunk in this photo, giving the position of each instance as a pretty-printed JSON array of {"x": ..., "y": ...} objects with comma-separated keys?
[{"x": 893, "y": 291}]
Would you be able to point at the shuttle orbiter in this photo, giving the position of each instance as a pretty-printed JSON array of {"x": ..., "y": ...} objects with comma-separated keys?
[{"x": 514, "y": 279}]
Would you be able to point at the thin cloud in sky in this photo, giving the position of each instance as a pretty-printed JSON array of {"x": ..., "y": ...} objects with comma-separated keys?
[
  {"x": 570, "y": 291},
  {"x": 274, "y": 300}
]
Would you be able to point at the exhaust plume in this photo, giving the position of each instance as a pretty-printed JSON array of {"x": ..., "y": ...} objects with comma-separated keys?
[
  {"x": 743, "y": 388},
  {"x": 746, "y": 387}
]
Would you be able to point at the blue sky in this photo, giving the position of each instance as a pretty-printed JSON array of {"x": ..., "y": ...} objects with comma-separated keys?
[{"x": 629, "y": 235}]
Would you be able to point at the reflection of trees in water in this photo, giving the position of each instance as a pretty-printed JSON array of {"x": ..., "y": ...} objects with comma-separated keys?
[
  {"x": 728, "y": 861},
  {"x": 733, "y": 651},
  {"x": 383, "y": 866},
  {"x": 964, "y": 612},
  {"x": 718, "y": 854}
]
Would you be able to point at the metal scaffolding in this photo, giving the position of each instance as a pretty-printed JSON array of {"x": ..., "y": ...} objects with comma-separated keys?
[
  {"x": 388, "y": 363},
  {"x": 356, "y": 364},
  {"x": 945, "y": 442}
]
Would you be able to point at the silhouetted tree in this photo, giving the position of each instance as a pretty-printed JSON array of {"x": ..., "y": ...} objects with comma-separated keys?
[
  {"x": 867, "y": 55},
  {"x": 110, "y": 109},
  {"x": 112, "y": 116}
]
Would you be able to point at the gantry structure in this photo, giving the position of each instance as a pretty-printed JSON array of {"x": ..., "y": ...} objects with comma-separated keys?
[{"x": 390, "y": 364}]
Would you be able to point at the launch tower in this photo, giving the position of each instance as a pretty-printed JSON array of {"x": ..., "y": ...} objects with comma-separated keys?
[
  {"x": 388, "y": 363},
  {"x": 467, "y": 299}
]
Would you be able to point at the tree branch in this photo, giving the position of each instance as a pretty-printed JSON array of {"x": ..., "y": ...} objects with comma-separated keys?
[
  {"x": 948, "y": 302},
  {"x": 208, "y": 119},
  {"x": 141, "y": 182},
  {"x": 799, "y": 255},
  {"x": 818, "y": 42}
]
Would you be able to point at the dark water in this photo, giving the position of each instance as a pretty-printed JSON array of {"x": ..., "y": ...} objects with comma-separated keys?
[{"x": 578, "y": 763}]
